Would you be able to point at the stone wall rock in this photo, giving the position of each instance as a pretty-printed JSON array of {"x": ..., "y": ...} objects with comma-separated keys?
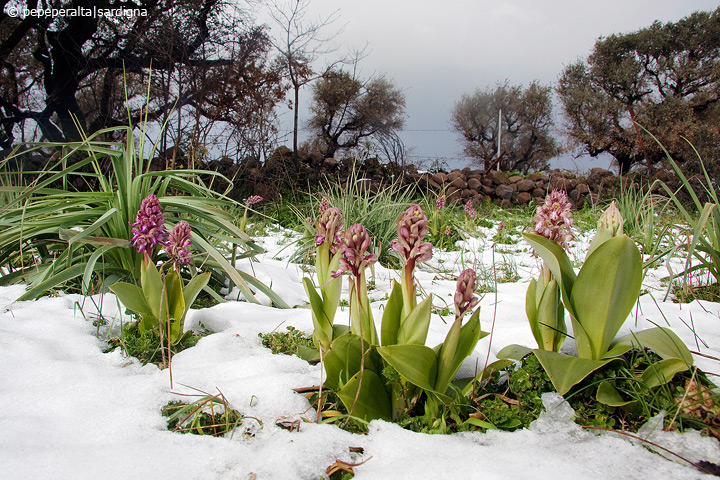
[{"x": 463, "y": 185}]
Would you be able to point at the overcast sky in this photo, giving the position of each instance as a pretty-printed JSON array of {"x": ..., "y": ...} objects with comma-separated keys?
[{"x": 435, "y": 51}]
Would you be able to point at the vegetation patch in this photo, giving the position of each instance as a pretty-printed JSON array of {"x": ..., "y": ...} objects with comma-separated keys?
[
  {"x": 288, "y": 342},
  {"x": 209, "y": 415},
  {"x": 147, "y": 346}
]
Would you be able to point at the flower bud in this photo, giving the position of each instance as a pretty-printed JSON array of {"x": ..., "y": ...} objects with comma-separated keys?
[
  {"x": 465, "y": 299},
  {"x": 412, "y": 228},
  {"x": 330, "y": 227},
  {"x": 354, "y": 248},
  {"x": 611, "y": 220},
  {"x": 324, "y": 205},
  {"x": 149, "y": 227}
]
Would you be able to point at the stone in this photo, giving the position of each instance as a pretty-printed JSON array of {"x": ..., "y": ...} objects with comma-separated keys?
[
  {"x": 525, "y": 185},
  {"x": 504, "y": 191},
  {"x": 523, "y": 198},
  {"x": 498, "y": 177},
  {"x": 537, "y": 176},
  {"x": 515, "y": 178},
  {"x": 582, "y": 189},
  {"x": 453, "y": 194},
  {"x": 439, "y": 178},
  {"x": 538, "y": 192},
  {"x": 474, "y": 183},
  {"x": 459, "y": 183},
  {"x": 487, "y": 190}
]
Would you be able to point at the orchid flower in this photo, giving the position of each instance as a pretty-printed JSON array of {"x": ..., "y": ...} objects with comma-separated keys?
[
  {"x": 354, "y": 260},
  {"x": 149, "y": 227},
  {"x": 178, "y": 243},
  {"x": 412, "y": 228}
]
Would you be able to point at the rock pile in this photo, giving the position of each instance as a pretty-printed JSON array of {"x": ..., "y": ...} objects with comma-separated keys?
[{"x": 507, "y": 190}]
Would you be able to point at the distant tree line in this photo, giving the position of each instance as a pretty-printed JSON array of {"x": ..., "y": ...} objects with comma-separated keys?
[{"x": 215, "y": 81}]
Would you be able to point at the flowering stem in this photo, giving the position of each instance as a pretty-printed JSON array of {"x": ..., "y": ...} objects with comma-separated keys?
[
  {"x": 358, "y": 299},
  {"x": 408, "y": 288}
]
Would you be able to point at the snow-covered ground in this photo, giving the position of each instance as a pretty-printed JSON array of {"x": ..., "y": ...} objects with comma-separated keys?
[{"x": 73, "y": 412}]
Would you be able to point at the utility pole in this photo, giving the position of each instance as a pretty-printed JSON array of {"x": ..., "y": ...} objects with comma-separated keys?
[{"x": 499, "y": 127}]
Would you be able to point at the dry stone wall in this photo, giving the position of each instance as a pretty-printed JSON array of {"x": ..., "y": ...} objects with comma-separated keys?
[{"x": 507, "y": 190}]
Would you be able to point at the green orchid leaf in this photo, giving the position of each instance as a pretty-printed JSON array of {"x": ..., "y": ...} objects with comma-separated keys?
[
  {"x": 565, "y": 371},
  {"x": 550, "y": 318},
  {"x": 557, "y": 261},
  {"x": 152, "y": 287},
  {"x": 418, "y": 364},
  {"x": 193, "y": 288},
  {"x": 605, "y": 292},
  {"x": 616, "y": 351},
  {"x": 173, "y": 307},
  {"x": 660, "y": 340},
  {"x": 373, "y": 402},
  {"x": 608, "y": 395},
  {"x": 453, "y": 353},
  {"x": 331, "y": 298},
  {"x": 131, "y": 296},
  {"x": 339, "y": 330},
  {"x": 662, "y": 372},
  {"x": 446, "y": 356},
  {"x": 308, "y": 354},
  {"x": 392, "y": 316},
  {"x": 514, "y": 352},
  {"x": 342, "y": 361},
  {"x": 531, "y": 304},
  {"x": 413, "y": 330},
  {"x": 322, "y": 325}
]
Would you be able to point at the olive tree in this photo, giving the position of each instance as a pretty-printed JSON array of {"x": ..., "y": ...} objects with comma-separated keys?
[
  {"x": 664, "y": 79},
  {"x": 346, "y": 110},
  {"x": 525, "y": 116}
]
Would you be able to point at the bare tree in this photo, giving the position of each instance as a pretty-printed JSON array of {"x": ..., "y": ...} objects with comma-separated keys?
[
  {"x": 302, "y": 42},
  {"x": 62, "y": 76},
  {"x": 346, "y": 111},
  {"x": 392, "y": 148}
]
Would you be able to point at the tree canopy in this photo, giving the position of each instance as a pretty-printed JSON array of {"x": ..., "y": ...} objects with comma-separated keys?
[
  {"x": 526, "y": 139},
  {"x": 346, "y": 110},
  {"x": 64, "y": 76},
  {"x": 664, "y": 78}
]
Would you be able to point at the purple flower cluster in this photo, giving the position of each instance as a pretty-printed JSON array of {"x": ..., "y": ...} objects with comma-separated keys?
[
  {"x": 412, "y": 229},
  {"x": 330, "y": 226},
  {"x": 324, "y": 205},
  {"x": 354, "y": 258},
  {"x": 253, "y": 199},
  {"x": 469, "y": 210},
  {"x": 440, "y": 202},
  {"x": 149, "y": 227},
  {"x": 465, "y": 299},
  {"x": 553, "y": 219},
  {"x": 178, "y": 242}
]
